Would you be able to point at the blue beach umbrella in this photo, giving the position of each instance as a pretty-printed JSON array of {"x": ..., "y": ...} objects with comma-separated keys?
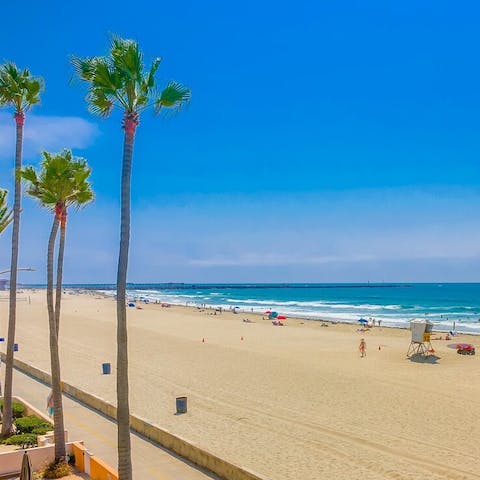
[
  {"x": 362, "y": 320},
  {"x": 273, "y": 315}
]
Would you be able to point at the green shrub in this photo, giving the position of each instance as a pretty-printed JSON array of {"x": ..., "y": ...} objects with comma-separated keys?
[
  {"x": 57, "y": 470},
  {"x": 28, "y": 424},
  {"x": 25, "y": 439},
  {"x": 42, "y": 430},
  {"x": 17, "y": 409}
]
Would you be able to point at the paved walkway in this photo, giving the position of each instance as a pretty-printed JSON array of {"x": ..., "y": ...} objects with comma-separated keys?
[{"x": 149, "y": 462}]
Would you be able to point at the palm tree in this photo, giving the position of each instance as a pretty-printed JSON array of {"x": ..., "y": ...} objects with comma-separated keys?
[
  {"x": 5, "y": 220},
  {"x": 61, "y": 183},
  {"x": 120, "y": 80},
  {"x": 18, "y": 89},
  {"x": 5, "y": 212}
]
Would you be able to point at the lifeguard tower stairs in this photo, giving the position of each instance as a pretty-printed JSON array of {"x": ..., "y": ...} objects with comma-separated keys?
[{"x": 420, "y": 344}]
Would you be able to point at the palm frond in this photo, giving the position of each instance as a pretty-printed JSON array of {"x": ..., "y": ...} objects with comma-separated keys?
[
  {"x": 19, "y": 88},
  {"x": 127, "y": 58},
  {"x": 28, "y": 174},
  {"x": 106, "y": 77},
  {"x": 6, "y": 215},
  {"x": 84, "y": 67},
  {"x": 174, "y": 96},
  {"x": 119, "y": 80},
  {"x": 147, "y": 86},
  {"x": 62, "y": 178},
  {"x": 99, "y": 103},
  {"x": 150, "y": 79}
]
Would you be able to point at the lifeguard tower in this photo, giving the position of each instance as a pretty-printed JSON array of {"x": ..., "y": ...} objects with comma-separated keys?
[{"x": 421, "y": 331}]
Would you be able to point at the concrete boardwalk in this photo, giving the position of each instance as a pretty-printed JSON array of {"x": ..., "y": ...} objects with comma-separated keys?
[{"x": 100, "y": 437}]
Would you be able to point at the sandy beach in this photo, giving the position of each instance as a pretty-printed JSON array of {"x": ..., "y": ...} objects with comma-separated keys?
[{"x": 292, "y": 402}]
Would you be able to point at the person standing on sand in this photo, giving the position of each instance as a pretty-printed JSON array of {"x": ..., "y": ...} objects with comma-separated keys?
[{"x": 363, "y": 348}]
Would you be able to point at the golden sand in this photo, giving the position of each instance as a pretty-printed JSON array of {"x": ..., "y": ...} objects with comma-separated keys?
[{"x": 292, "y": 402}]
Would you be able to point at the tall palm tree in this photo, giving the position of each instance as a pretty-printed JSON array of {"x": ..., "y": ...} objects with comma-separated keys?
[
  {"x": 120, "y": 80},
  {"x": 61, "y": 182},
  {"x": 5, "y": 212},
  {"x": 20, "y": 90},
  {"x": 5, "y": 220}
]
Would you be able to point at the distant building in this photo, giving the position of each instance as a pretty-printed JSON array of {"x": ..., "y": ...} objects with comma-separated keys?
[{"x": 3, "y": 283}]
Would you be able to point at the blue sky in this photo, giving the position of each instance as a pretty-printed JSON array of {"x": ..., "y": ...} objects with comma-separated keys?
[{"x": 325, "y": 141}]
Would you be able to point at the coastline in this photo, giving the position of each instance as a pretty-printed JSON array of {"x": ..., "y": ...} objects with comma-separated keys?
[
  {"x": 454, "y": 307},
  {"x": 271, "y": 398},
  {"x": 248, "y": 311}
]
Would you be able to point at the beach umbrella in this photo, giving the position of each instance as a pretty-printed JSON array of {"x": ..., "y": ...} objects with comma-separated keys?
[
  {"x": 273, "y": 315},
  {"x": 363, "y": 320},
  {"x": 281, "y": 317},
  {"x": 268, "y": 312},
  {"x": 26, "y": 470}
]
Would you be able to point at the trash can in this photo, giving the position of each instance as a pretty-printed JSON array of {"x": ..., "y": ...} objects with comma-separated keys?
[
  {"x": 15, "y": 347},
  {"x": 181, "y": 405},
  {"x": 106, "y": 368}
]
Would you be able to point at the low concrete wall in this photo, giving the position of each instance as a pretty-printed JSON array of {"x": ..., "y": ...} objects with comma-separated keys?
[
  {"x": 96, "y": 468},
  {"x": 77, "y": 450},
  {"x": 180, "y": 446},
  {"x": 11, "y": 462},
  {"x": 187, "y": 450},
  {"x": 99, "y": 470}
]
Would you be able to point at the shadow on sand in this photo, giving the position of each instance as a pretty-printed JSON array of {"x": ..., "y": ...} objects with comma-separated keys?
[{"x": 419, "y": 358}]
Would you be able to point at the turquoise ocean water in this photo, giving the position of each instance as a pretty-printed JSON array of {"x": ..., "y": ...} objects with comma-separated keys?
[{"x": 394, "y": 304}]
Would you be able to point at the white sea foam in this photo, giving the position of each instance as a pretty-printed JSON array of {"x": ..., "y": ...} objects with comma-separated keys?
[{"x": 390, "y": 315}]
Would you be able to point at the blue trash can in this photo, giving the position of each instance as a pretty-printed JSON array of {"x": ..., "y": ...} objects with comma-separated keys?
[
  {"x": 181, "y": 405},
  {"x": 15, "y": 347},
  {"x": 106, "y": 368}
]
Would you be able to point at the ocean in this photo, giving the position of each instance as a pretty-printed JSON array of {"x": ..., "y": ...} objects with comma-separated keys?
[{"x": 393, "y": 304}]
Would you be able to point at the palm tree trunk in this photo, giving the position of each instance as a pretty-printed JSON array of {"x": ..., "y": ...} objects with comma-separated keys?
[
  {"x": 58, "y": 429},
  {"x": 59, "y": 436},
  {"x": 61, "y": 249},
  {"x": 7, "y": 394},
  {"x": 123, "y": 409}
]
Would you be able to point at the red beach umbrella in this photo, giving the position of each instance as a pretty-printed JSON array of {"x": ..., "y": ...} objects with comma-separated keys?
[
  {"x": 267, "y": 312},
  {"x": 281, "y": 317}
]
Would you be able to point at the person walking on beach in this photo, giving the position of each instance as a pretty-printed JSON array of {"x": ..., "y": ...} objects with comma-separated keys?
[
  {"x": 50, "y": 404},
  {"x": 363, "y": 348}
]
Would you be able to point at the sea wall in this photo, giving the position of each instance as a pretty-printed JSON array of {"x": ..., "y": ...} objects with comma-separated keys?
[{"x": 163, "y": 437}]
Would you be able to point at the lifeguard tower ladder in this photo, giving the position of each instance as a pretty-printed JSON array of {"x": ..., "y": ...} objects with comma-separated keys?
[{"x": 421, "y": 331}]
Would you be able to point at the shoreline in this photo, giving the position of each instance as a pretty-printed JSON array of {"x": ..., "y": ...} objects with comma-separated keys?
[{"x": 247, "y": 311}]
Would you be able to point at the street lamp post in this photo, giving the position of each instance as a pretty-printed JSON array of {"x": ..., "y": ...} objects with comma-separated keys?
[{"x": 26, "y": 269}]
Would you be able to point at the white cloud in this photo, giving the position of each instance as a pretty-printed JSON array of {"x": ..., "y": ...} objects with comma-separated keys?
[{"x": 46, "y": 133}]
